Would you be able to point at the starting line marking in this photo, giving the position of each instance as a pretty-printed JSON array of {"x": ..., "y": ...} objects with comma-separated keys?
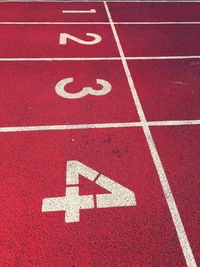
[
  {"x": 79, "y": 11},
  {"x": 97, "y": 126},
  {"x": 182, "y": 236}
]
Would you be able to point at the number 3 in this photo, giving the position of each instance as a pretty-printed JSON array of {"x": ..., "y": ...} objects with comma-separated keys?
[{"x": 60, "y": 90}]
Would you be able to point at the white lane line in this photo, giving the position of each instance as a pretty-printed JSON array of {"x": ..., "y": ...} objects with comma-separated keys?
[
  {"x": 97, "y": 126},
  {"x": 48, "y": 22},
  {"x": 173, "y": 123},
  {"x": 68, "y": 127},
  {"x": 79, "y": 11},
  {"x": 99, "y": 58},
  {"x": 60, "y": 59},
  {"x": 115, "y": 1},
  {"x": 185, "y": 245},
  {"x": 162, "y": 57},
  {"x": 158, "y": 22},
  {"x": 98, "y": 23}
]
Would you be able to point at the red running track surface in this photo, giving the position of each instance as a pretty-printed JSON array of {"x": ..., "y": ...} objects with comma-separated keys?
[{"x": 138, "y": 185}]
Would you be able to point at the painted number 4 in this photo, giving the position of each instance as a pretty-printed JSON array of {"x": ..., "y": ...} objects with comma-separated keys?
[{"x": 72, "y": 202}]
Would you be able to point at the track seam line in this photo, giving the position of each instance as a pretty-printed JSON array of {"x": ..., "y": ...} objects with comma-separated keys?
[{"x": 182, "y": 236}]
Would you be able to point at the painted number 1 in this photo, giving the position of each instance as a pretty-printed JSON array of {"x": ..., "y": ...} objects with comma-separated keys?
[{"x": 72, "y": 202}]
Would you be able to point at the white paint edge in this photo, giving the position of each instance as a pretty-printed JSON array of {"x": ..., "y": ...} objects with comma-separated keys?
[{"x": 182, "y": 236}]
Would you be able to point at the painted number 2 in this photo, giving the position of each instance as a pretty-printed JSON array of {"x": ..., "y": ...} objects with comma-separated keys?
[
  {"x": 72, "y": 202},
  {"x": 65, "y": 36}
]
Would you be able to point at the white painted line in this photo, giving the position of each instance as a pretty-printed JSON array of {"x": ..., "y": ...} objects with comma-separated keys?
[
  {"x": 98, "y": 1},
  {"x": 162, "y": 57},
  {"x": 78, "y": 11},
  {"x": 174, "y": 123},
  {"x": 50, "y": 22},
  {"x": 97, "y": 126},
  {"x": 99, "y": 58},
  {"x": 68, "y": 127},
  {"x": 60, "y": 59},
  {"x": 185, "y": 245},
  {"x": 157, "y": 22},
  {"x": 98, "y": 23}
]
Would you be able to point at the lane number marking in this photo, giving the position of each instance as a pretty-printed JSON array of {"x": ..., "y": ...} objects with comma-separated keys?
[
  {"x": 65, "y": 36},
  {"x": 60, "y": 89},
  {"x": 72, "y": 202},
  {"x": 79, "y": 11}
]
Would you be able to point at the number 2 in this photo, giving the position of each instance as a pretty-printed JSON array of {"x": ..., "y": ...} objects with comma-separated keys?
[{"x": 65, "y": 36}]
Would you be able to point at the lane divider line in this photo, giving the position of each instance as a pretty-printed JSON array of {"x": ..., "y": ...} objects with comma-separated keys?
[
  {"x": 97, "y": 126},
  {"x": 114, "y": 1},
  {"x": 182, "y": 236},
  {"x": 99, "y": 23},
  {"x": 98, "y": 58}
]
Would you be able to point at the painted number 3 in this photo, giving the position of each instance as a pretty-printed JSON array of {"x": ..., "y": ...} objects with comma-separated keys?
[
  {"x": 72, "y": 202},
  {"x": 60, "y": 89}
]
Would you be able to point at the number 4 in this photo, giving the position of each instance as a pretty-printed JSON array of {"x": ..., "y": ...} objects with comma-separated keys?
[{"x": 72, "y": 202}]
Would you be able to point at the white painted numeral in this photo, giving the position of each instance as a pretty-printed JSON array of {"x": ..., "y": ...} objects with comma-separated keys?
[
  {"x": 79, "y": 11},
  {"x": 72, "y": 202},
  {"x": 60, "y": 89},
  {"x": 65, "y": 36}
]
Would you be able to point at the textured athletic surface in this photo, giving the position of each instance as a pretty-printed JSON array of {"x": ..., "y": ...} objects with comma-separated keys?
[{"x": 88, "y": 102}]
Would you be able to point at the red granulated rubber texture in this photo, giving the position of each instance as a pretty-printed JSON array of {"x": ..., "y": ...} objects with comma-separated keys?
[
  {"x": 168, "y": 89},
  {"x": 28, "y": 95},
  {"x": 51, "y": 12},
  {"x": 155, "y": 12},
  {"x": 179, "y": 149},
  {"x": 33, "y": 167},
  {"x": 159, "y": 40},
  {"x": 43, "y": 41}
]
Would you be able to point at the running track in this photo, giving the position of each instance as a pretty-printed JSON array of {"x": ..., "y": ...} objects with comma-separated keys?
[{"x": 100, "y": 134}]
